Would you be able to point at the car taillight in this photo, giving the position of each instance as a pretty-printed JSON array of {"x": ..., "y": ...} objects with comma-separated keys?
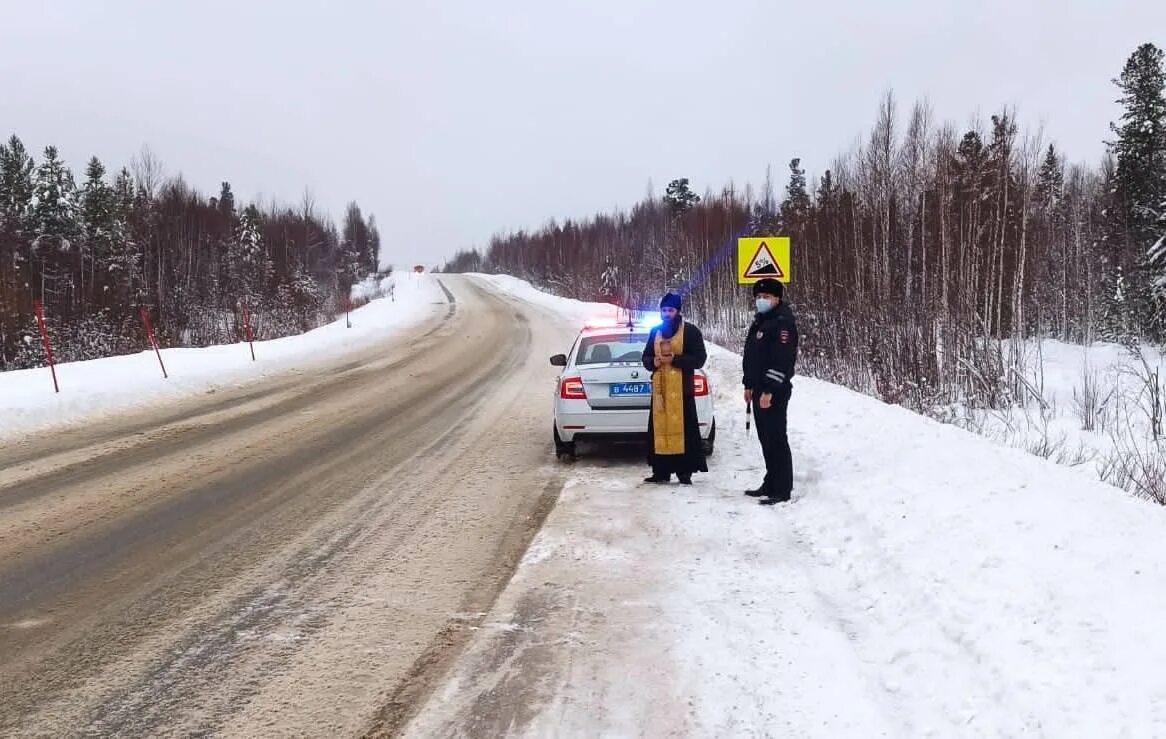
[
  {"x": 700, "y": 386},
  {"x": 572, "y": 389}
]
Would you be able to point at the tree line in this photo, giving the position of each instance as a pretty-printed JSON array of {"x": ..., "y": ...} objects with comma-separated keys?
[
  {"x": 914, "y": 253},
  {"x": 95, "y": 254}
]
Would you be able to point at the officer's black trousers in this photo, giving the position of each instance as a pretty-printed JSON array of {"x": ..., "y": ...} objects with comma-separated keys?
[{"x": 771, "y": 431}]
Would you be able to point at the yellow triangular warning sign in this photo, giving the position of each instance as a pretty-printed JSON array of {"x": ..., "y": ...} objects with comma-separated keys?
[{"x": 763, "y": 264}]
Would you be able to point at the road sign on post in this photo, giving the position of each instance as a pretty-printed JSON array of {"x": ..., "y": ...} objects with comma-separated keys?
[
  {"x": 247, "y": 327},
  {"x": 149, "y": 326},
  {"x": 759, "y": 258},
  {"x": 44, "y": 335}
]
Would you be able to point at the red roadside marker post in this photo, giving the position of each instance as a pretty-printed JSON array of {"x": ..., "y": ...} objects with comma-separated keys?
[
  {"x": 153, "y": 340},
  {"x": 247, "y": 327},
  {"x": 44, "y": 335}
]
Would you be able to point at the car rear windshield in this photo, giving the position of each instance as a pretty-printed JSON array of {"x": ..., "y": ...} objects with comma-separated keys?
[{"x": 614, "y": 348}]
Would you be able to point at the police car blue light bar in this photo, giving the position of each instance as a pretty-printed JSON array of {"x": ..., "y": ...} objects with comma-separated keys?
[
  {"x": 646, "y": 323},
  {"x": 602, "y": 323}
]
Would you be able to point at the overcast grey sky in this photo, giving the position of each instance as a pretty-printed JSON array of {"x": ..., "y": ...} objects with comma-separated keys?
[{"x": 453, "y": 120}]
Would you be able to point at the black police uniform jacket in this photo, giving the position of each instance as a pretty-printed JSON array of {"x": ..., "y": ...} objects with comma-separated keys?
[{"x": 771, "y": 351}]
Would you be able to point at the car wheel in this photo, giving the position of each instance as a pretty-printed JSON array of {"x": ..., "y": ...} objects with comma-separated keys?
[
  {"x": 564, "y": 450},
  {"x": 710, "y": 442}
]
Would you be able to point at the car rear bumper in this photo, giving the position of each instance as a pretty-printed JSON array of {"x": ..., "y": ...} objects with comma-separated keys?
[{"x": 615, "y": 425}]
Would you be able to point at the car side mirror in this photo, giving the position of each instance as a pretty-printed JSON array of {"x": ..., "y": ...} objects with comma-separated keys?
[{"x": 559, "y": 360}]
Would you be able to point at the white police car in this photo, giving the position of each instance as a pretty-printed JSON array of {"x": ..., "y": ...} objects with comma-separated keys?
[{"x": 605, "y": 394}]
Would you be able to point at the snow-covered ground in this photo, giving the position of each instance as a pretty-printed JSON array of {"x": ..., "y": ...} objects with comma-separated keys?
[
  {"x": 925, "y": 581},
  {"x": 117, "y": 384},
  {"x": 1090, "y": 408}
]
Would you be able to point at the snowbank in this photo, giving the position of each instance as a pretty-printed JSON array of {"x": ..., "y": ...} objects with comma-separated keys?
[
  {"x": 924, "y": 582},
  {"x": 115, "y": 384},
  {"x": 373, "y": 287},
  {"x": 1093, "y": 414}
]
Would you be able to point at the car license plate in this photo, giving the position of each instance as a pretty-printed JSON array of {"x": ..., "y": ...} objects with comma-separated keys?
[{"x": 632, "y": 388}]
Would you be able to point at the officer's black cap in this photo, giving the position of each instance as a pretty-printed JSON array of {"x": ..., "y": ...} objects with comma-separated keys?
[{"x": 770, "y": 286}]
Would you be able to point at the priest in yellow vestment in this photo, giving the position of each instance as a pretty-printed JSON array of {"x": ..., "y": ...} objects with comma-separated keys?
[{"x": 675, "y": 350}]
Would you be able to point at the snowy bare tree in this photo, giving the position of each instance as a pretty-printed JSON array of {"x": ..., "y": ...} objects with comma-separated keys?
[{"x": 95, "y": 255}]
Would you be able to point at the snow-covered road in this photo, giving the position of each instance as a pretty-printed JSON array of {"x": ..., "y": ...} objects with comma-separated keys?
[
  {"x": 924, "y": 582},
  {"x": 298, "y": 557}
]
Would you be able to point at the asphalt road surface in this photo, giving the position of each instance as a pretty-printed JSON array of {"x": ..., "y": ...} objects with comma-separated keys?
[{"x": 300, "y": 557}]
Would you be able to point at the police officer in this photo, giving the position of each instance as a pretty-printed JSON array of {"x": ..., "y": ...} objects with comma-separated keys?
[{"x": 771, "y": 351}]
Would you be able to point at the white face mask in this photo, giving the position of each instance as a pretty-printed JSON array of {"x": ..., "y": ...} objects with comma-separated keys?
[{"x": 764, "y": 305}]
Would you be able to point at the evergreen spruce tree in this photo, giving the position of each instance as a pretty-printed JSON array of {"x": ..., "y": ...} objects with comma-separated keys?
[
  {"x": 679, "y": 197},
  {"x": 355, "y": 252},
  {"x": 1050, "y": 181},
  {"x": 98, "y": 215},
  {"x": 16, "y": 168},
  {"x": 1156, "y": 263},
  {"x": 54, "y": 206},
  {"x": 124, "y": 260},
  {"x": 1140, "y": 182},
  {"x": 225, "y": 203},
  {"x": 1051, "y": 284},
  {"x": 763, "y": 216},
  {"x": 609, "y": 282},
  {"x": 249, "y": 265},
  {"x": 795, "y": 209},
  {"x": 1120, "y": 315},
  {"x": 16, "y": 189},
  {"x": 374, "y": 245},
  {"x": 56, "y": 233},
  {"x": 827, "y": 191}
]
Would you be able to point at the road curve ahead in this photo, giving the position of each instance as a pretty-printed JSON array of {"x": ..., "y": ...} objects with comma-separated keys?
[{"x": 303, "y": 557}]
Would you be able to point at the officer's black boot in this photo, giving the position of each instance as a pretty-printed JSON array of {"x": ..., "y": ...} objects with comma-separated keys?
[
  {"x": 684, "y": 479},
  {"x": 760, "y": 492},
  {"x": 775, "y": 499}
]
